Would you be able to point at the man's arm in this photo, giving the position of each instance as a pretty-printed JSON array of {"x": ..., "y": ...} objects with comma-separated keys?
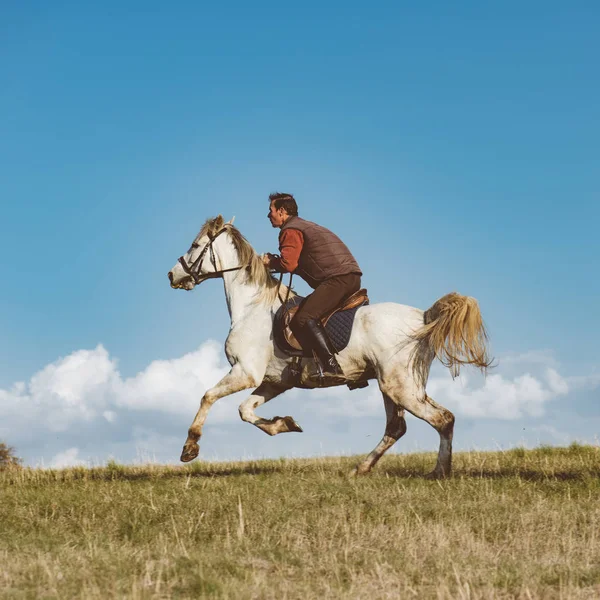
[{"x": 290, "y": 247}]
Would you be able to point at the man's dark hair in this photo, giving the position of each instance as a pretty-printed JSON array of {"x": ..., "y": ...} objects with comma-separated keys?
[{"x": 286, "y": 201}]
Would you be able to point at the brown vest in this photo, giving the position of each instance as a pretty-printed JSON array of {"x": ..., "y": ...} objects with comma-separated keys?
[{"x": 323, "y": 254}]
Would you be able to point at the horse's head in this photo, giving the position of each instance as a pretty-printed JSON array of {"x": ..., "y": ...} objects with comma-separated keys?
[{"x": 199, "y": 263}]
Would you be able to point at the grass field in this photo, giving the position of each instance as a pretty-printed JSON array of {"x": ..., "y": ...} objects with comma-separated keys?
[{"x": 515, "y": 524}]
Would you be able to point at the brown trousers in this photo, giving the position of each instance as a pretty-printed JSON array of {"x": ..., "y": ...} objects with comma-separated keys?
[{"x": 324, "y": 299}]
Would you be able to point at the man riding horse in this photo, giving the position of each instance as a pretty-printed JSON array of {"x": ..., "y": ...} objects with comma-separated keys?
[{"x": 324, "y": 262}]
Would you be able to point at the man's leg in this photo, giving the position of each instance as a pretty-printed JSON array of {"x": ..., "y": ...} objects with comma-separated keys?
[{"x": 306, "y": 325}]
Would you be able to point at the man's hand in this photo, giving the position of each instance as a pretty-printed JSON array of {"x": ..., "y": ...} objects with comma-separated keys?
[{"x": 266, "y": 258}]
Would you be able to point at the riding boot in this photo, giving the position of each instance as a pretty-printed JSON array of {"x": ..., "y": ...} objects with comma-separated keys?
[{"x": 317, "y": 338}]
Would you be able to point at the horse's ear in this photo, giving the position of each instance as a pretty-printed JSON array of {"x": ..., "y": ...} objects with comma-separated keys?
[{"x": 232, "y": 220}]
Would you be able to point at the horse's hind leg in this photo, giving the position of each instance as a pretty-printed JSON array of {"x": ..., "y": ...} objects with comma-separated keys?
[
  {"x": 395, "y": 428},
  {"x": 443, "y": 422},
  {"x": 414, "y": 399}
]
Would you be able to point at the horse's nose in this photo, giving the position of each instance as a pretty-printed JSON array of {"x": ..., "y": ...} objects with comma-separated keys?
[{"x": 171, "y": 276}]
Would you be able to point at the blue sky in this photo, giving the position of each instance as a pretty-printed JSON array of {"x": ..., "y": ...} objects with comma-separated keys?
[{"x": 452, "y": 146}]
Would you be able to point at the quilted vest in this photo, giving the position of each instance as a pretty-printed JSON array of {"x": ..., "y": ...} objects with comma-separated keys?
[{"x": 323, "y": 254}]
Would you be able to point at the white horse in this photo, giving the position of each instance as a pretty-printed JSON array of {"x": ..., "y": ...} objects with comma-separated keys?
[{"x": 392, "y": 343}]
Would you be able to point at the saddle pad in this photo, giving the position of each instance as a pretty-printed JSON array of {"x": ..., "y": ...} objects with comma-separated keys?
[{"x": 338, "y": 328}]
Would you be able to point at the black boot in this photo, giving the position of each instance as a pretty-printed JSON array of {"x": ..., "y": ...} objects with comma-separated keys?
[{"x": 317, "y": 338}]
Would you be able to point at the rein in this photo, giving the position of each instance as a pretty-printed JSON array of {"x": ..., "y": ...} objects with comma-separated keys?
[
  {"x": 287, "y": 296},
  {"x": 193, "y": 270}
]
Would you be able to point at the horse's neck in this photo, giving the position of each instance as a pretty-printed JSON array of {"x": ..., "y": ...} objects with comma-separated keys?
[
  {"x": 240, "y": 293},
  {"x": 240, "y": 296}
]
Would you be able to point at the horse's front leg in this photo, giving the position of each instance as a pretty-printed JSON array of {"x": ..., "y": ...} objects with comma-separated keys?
[
  {"x": 235, "y": 381},
  {"x": 263, "y": 393}
]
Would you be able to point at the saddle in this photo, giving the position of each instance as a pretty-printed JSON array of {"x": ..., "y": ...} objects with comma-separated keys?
[{"x": 337, "y": 323}]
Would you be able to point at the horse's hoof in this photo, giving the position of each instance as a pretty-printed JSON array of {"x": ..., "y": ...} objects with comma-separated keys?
[
  {"x": 291, "y": 424},
  {"x": 190, "y": 452},
  {"x": 360, "y": 470}
]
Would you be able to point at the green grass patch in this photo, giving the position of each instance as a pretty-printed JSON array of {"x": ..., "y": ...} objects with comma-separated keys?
[{"x": 514, "y": 524}]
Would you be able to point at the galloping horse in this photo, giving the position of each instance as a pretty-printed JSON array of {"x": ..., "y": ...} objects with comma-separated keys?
[{"x": 392, "y": 343}]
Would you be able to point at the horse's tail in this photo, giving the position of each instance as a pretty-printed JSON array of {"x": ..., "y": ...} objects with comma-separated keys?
[{"x": 453, "y": 331}]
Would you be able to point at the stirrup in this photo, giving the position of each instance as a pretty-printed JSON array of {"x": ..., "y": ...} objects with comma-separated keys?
[
  {"x": 325, "y": 378},
  {"x": 322, "y": 368},
  {"x": 296, "y": 369},
  {"x": 336, "y": 371}
]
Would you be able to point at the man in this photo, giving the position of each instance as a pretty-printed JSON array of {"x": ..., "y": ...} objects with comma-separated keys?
[{"x": 324, "y": 262}]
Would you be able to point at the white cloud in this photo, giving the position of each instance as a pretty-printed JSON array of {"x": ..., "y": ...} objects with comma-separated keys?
[
  {"x": 554, "y": 433},
  {"x": 69, "y": 390},
  {"x": 341, "y": 402},
  {"x": 522, "y": 385},
  {"x": 81, "y": 402},
  {"x": 87, "y": 384},
  {"x": 584, "y": 382},
  {"x": 173, "y": 385},
  {"x": 68, "y": 458},
  {"x": 498, "y": 396},
  {"x": 532, "y": 357},
  {"x": 556, "y": 383}
]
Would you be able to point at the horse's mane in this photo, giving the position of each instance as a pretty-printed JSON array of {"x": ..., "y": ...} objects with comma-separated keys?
[{"x": 257, "y": 272}]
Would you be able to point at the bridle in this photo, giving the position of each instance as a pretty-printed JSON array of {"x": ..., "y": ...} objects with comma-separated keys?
[{"x": 193, "y": 270}]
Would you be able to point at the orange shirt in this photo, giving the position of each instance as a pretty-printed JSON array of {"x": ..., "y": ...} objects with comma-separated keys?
[{"x": 290, "y": 247}]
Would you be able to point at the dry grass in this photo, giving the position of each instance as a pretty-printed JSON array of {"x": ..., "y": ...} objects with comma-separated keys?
[{"x": 516, "y": 524}]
